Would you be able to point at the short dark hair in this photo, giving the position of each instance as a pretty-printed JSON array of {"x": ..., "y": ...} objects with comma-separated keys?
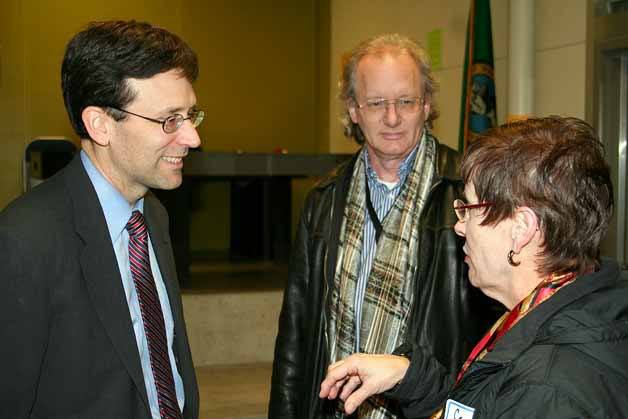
[
  {"x": 99, "y": 60},
  {"x": 392, "y": 43},
  {"x": 556, "y": 167}
]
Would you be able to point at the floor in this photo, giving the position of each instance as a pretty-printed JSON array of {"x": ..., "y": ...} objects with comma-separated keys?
[{"x": 235, "y": 391}]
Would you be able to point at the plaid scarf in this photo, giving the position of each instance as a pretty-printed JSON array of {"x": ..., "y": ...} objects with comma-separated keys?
[
  {"x": 390, "y": 289},
  {"x": 541, "y": 293}
]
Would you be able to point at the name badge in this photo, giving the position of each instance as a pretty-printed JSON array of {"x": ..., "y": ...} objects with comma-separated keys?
[{"x": 457, "y": 410}]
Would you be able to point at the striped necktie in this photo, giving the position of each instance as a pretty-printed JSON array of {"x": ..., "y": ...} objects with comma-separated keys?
[{"x": 152, "y": 317}]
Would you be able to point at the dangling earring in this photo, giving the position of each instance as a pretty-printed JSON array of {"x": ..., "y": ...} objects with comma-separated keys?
[{"x": 510, "y": 261}]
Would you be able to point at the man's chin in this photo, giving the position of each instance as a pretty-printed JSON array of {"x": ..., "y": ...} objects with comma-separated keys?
[{"x": 168, "y": 183}]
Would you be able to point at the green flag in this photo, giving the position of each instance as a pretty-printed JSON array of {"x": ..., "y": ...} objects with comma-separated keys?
[{"x": 478, "y": 109}]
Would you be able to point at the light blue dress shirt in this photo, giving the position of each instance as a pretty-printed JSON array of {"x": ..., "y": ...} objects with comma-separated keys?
[{"x": 117, "y": 213}]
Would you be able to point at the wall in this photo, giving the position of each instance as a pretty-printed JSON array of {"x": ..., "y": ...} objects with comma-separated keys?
[
  {"x": 560, "y": 49},
  {"x": 561, "y": 58},
  {"x": 258, "y": 87},
  {"x": 12, "y": 97},
  {"x": 234, "y": 327},
  {"x": 257, "y": 84},
  {"x": 257, "y": 73}
]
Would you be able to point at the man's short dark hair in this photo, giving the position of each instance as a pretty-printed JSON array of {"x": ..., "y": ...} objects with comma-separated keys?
[
  {"x": 99, "y": 60},
  {"x": 556, "y": 167}
]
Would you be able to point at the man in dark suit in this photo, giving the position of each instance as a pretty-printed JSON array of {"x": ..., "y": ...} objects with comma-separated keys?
[{"x": 92, "y": 322}]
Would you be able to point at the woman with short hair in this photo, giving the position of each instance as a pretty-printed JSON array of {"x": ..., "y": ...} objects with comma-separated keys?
[{"x": 539, "y": 201}]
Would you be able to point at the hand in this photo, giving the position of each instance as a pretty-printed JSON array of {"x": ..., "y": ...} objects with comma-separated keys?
[{"x": 359, "y": 376}]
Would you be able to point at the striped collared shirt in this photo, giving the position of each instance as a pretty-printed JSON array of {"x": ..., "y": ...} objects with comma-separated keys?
[{"x": 383, "y": 196}]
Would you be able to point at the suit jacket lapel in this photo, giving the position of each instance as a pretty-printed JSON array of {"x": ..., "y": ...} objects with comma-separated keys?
[
  {"x": 101, "y": 273},
  {"x": 158, "y": 229},
  {"x": 160, "y": 238},
  {"x": 157, "y": 222}
]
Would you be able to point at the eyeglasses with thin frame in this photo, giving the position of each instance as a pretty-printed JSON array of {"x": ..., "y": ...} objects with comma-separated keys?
[
  {"x": 404, "y": 106},
  {"x": 462, "y": 209},
  {"x": 173, "y": 122}
]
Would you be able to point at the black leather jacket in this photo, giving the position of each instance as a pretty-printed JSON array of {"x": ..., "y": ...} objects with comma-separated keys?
[{"x": 443, "y": 322}]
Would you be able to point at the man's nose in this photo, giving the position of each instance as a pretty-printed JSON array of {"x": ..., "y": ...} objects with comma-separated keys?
[
  {"x": 391, "y": 116},
  {"x": 188, "y": 135}
]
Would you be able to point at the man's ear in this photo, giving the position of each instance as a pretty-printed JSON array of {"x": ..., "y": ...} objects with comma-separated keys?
[
  {"x": 525, "y": 226},
  {"x": 352, "y": 109},
  {"x": 98, "y": 124},
  {"x": 427, "y": 108}
]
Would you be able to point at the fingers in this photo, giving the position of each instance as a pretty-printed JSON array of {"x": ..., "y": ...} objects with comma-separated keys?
[
  {"x": 337, "y": 374},
  {"x": 357, "y": 398},
  {"x": 326, "y": 387},
  {"x": 334, "y": 380},
  {"x": 348, "y": 393},
  {"x": 349, "y": 386},
  {"x": 331, "y": 390}
]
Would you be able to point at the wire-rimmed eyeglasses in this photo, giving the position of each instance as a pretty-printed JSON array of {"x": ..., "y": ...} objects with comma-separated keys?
[
  {"x": 462, "y": 209},
  {"x": 404, "y": 105},
  {"x": 173, "y": 122}
]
